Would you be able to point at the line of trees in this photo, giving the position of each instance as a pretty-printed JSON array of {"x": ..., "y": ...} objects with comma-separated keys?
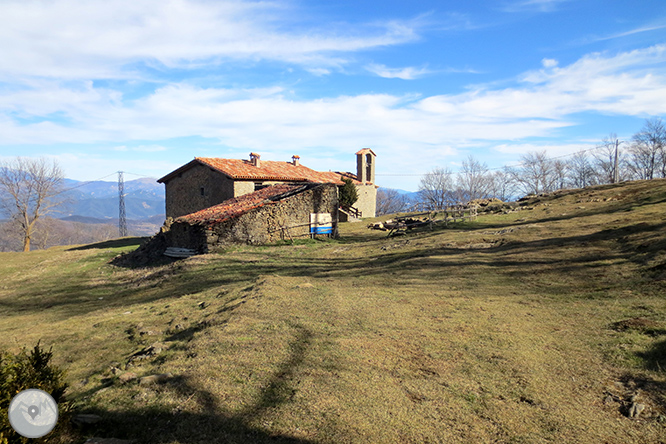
[
  {"x": 49, "y": 232},
  {"x": 642, "y": 157}
]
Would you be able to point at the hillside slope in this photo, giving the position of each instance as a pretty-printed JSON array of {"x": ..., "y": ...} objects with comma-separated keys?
[{"x": 546, "y": 324}]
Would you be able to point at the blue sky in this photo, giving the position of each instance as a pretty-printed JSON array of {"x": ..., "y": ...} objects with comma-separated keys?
[{"x": 146, "y": 85}]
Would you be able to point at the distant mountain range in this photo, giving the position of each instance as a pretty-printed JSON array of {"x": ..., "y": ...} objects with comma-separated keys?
[
  {"x": 97, "y": 202},
  {"x": 410, "y": 195}
]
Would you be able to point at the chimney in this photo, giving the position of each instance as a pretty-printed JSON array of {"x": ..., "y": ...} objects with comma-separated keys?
[
  {"x": 255, "y": 159},
  {"x": 295, "y": 160}
]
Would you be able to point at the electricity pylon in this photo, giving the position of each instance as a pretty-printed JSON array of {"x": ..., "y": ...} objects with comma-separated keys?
[{"x": 122, "y": 217}]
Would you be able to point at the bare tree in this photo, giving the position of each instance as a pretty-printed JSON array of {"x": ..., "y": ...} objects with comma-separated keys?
[
  {"x": 502, "y": 186},
  {"x": 44, "y": 228},
  {"x": 390, "y": 201},
  {"x": 648, "y": 156},
  {"x": 535, "y": 174},
  {"x": 51, "y": 232},
  {"x": 560, "y": 174},
  {"x": 436, "y": 189},
  {"x": 29, "y": 190},
  {"x": 473, "y": 180},
  {"x": 10, "y": 236},
  {"x": 581, "y": 172},
  {"x": 604, "y": 160}
]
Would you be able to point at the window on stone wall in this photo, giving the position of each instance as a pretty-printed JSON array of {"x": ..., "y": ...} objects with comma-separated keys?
[{"x": 203, "y": 191}]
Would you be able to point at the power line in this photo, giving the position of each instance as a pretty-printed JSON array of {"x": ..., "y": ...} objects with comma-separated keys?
[
  {"x": 88, "y": 182},
  {"x": 141, "y": 176},
  {"x": 83, "y": 184},
  {"x": 492, "y": 169}
]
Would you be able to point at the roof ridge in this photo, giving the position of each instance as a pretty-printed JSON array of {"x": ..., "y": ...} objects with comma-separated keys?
[{"x": 270, "y": 170}]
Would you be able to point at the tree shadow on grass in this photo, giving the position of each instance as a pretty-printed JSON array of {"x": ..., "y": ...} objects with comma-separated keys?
[
  {"x": 279, "y": 389},
  {"x": 78, "y": 295},
  {"x": 114, "y": 243},
  {"x": 654, "y": 388},
  {"x": 155, "y": 426},
  {"x": 209, "y": 422},
  {"x": 648, "y": 387},
  {"x": 654, "y": 358}
]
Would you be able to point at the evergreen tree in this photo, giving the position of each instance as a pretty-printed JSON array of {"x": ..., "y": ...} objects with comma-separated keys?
[{"x": 348, "y": 194}]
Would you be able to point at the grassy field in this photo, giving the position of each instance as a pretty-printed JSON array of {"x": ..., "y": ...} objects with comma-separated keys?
[{"x": 534, "y": 326}]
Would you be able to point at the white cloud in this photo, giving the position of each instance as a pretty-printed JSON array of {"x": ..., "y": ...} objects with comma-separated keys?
[
  {"x": 553, "y": 150},
  {"x": 617, "y": 35},
  {"x": 549, "y": 63},
  {"x": 150, "y": 148},
  {"x": 87, "y": 166},
  {"x": 319, "y": 71},
  {"x": 412, "y": 132},
  {"x": 542, "y": 102},
  {"x": 102, "y": 39},
  {"x": 533, "y": 5},
  {"x": 629, "y": 83},
  {"x": 408, "y": 73},
  {"x": 632, "y": 83}
]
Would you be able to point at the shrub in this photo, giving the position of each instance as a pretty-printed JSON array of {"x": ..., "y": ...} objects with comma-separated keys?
[
  {"x": 26, "y": 370},
  {"x": 348, "y": 194}
]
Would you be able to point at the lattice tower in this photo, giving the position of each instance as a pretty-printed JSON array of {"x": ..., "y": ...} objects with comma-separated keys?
[{"x": 122, "y": 217}]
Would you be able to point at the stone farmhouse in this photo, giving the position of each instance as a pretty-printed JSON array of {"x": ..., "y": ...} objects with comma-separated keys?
[
  {"x": 277, "y": 212},
  {"x": 206, "y": 181}
]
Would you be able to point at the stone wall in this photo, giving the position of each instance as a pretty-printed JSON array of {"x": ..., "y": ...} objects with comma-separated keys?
[
  {"x": 183, "y": 235},
  {"x": 197, "y": 188},
  {"x": 367, "y": 200},
  {"x": 243, "y": 187},
  {"x": 283, "y": 220}
]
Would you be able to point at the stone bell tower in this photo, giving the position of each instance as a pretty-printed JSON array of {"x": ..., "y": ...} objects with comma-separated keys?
[{"x": 365, "y": 166}]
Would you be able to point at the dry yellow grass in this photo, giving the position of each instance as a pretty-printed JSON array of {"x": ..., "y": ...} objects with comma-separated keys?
[{"x": 529, "y": 327}]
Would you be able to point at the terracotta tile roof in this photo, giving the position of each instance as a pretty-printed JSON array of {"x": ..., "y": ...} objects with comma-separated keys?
[
  {"x": 239, "y": 169},
  {"x": 237, "y": 206},
  {"x": 366, "y": 151}
]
